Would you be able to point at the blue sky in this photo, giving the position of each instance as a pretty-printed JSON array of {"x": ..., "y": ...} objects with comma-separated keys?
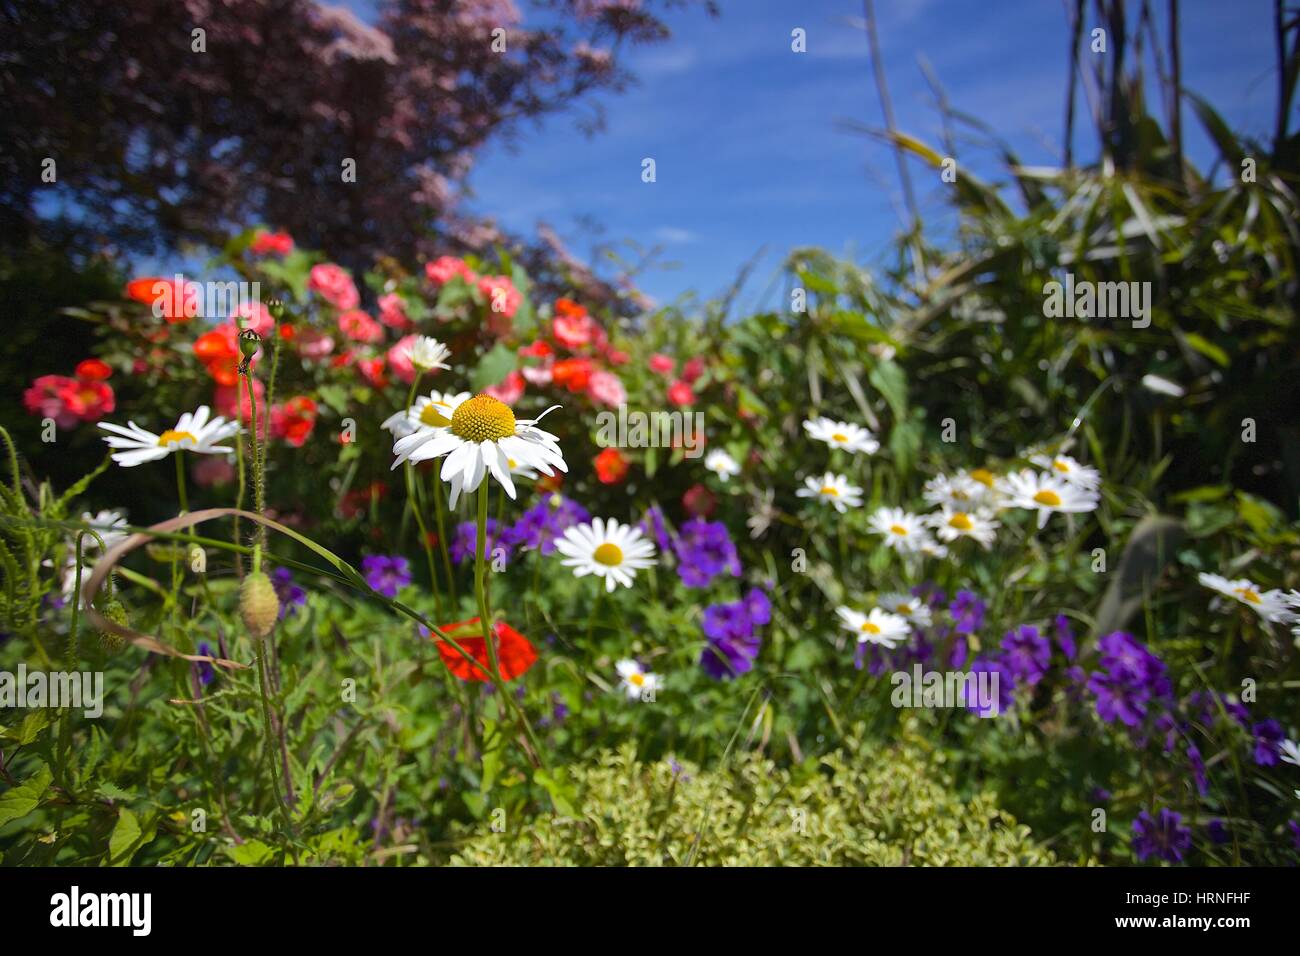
[{"x": 750, "y": 139}]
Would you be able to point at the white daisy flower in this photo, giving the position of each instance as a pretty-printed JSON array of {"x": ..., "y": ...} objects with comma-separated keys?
[
  {"x": 721, "y": 464},
  {"x": 959, "y": 491},
  {"x": 483, "y": 437},
  {"x": 875, "y": 627},
  {"x": 833, "y": 490},
  {"x": 1290, "y": 752},
  {"x": 638, "y": 683},
  {"x": 902, "y": 530},
  {"x": 428, "y": 411},
  {"x": 951, "y": 523},
  {"x": 193, "y": 432},
  {"x": 1273, "y": 606},
  {"x": 1046, "y": 494},
  {"x": 907, "y": 606},
  {"x": 607, "y": 549},
  {"x": 851, "y": 438},
  {"x": 1063, "y": 466},
  {"x": 427, "y": 353},
  {"x": 933, "y": 549},
  {"x": 111, "y": 526}
]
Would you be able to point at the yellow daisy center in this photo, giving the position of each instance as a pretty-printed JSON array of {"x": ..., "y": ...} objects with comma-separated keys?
[
  {"x": 904, "y": 609},
  {"x": 173, "y": 437},
  {"x": 1247, "y": 594},
  {"x": 1049, "y": 498},
  {"x": 636, "y": 680},
  {"x": 434, "y": 415},
  {"x": 608, "y": 554},
  {"x": 1061, "y": 466},
  {"x": 960, "y": 521},
  {"x": 869, "y": 628},
  {"x": 959, "y": 495},
  {"x": 983, "y": 476},
  {"x": 840, "y": 437},
  {"x": 483, "y": 418},
  {"x": 830, "y": 490},
  {"x": 898, "y": 529}
]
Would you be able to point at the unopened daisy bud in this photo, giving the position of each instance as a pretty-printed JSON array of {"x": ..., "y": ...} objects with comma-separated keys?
[
  {"x": 258, "y": 604},
  {"x": 249, "y": 343},
  {"x": 116, "y": 613}
]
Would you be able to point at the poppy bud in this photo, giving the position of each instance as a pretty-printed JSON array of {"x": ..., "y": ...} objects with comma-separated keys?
[
  {"x": 116, "y": 613},
  {"x": 249, "y": 343},
  {"x": 258, "y": 604},
  {"x": 276, "y": 308}
]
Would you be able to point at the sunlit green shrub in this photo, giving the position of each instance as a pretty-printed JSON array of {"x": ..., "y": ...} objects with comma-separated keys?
[{"x": 863, "y": 805}]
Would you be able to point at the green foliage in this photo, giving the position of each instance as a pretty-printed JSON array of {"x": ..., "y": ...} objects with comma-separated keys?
[{"x": 865, "y": 805}]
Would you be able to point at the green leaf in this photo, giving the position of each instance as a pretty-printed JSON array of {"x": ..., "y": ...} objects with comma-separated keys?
[
  {"x": 493, "y": 368},
  {"x": 1207, "y": 348},
  {"x": 128, "y": 837},
  {"x": 889, "y": 379},
  {"x": 1150, "y": 547},
  {"x": 561, "y": 791},
  {"x": 491, "y": 757},
  {"x": 26, "y": 797},
  {"x": 251, "y": 853},
  {"x": 29, "y": 729}
]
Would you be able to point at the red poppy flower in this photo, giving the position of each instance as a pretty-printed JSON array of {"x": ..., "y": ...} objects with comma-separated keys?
[
  {"x": 611, "y": 466},
  {"x": 271, "y": 243},
  {"x": 515, "y": 653},
  {"x": 294, "y": 420},
  {"x": 93, "y": 370}
]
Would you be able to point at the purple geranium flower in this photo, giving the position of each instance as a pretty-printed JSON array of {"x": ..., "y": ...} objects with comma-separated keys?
[
  {"x": 1131, "y": 678},
  {"x": 704, "y": 550},
  {"x": 1219, "y": 834},
  {"x": 1162, "y": 836},
  {"x": 539, "y": 526},
  {"x": 1065, "y": 637},
  {"x": 1268, "y": 740},
  {"x": 464, "y": 545},
  {"x": 967, "y": 612},
  {"x": 203, "y": 669},
  {"x": 733, "y": 643},
  {"x": 654, "y": 524},
  {"x": 386, "y": 574},
  {"x": 1005, "y": 686},
  {"x": 1026, "y": 654},
  {"x": 291, "y": 595},
  {"x": 1198, "y": 768}
]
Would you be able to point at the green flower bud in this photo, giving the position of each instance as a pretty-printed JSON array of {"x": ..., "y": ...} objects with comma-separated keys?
[
  {"x": 276, "y": 308},
  {"x": 249, "y": 343},
  {"x": 258, "y": 604},
  {"x": 116, "y": 613}
]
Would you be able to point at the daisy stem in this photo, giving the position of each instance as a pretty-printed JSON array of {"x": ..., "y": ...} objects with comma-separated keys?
[{"x": 442, "y": 539}]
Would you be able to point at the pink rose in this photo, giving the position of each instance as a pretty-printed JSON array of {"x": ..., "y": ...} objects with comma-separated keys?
[
  {"x": 509, "y": 391},
  {"x": 692, "y": 370},
  {"x": 254, "y": 315},
  {"x": 443, "y": 269},
  {"x": 314, "y": 344},
  {"x": 503, "y": 299},
  {"x": 662, "y": 364},
  {"x": 679, "y": 393},
  {"x": 360, "y": 327},
  {"x": 605, "y": 387},
  {"x": 399, "y": 359},
  {"x": 392, "y": 311},
  {"x": 334, "y": 285}
]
